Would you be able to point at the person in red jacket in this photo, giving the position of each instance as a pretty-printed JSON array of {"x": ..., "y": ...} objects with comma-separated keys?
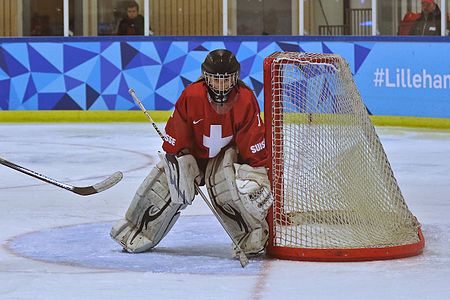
[
  {"x": 429, "y": 21},
  {"x": 215, "y": 136}
]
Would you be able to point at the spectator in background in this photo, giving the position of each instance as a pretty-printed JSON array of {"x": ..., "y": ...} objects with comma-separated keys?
[
  {"x": 133, "y": 22},
  {"x": 40, "y": 25},
  {"x": 429, "y": 22}
]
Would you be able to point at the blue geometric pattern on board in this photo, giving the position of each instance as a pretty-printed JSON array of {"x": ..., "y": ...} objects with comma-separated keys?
[{"x": 96, "y": 75}]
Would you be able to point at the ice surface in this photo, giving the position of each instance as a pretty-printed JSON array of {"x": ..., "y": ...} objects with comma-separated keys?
[{"x": 56, "y": 245}]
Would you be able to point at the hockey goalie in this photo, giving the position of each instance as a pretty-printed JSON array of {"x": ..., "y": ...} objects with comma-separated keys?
[{"x": 215, "y": 137}]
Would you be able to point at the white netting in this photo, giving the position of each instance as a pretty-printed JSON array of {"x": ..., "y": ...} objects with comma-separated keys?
[{"x": 332, "y": 182}]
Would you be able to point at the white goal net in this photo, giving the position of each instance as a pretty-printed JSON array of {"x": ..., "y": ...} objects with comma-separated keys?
[{"x": 336, "y": 197}]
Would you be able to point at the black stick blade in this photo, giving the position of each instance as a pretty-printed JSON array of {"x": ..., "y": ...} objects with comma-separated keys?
[{"x": 99, "y": 187}]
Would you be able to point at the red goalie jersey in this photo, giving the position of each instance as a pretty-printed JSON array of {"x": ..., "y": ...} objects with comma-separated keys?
[{"x": 197, "y": 126}]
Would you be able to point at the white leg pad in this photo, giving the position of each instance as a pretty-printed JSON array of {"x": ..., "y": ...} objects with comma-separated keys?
[
  {"x": 150, "y": 216},
  {"x": 254, "y": 241},
  {"x": 248, "y": 230}
]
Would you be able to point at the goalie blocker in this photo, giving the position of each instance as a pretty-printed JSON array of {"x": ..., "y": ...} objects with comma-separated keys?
[{"x": 239, "y": 193}]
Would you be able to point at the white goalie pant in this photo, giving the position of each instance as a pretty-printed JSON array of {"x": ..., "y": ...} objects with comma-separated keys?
[
  {"x": 150, "y": 216},
  {"x": 241, "y": 196}
]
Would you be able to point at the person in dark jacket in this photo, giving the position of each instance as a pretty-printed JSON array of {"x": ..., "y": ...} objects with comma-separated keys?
[
  {"x": 429, "y": 22},
  {"x": 133, "y": 23}
]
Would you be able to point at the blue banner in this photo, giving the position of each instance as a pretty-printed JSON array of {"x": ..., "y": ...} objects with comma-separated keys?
[
  {"x": 406, "y": 79},
  {"x": 395, "y": 76}
]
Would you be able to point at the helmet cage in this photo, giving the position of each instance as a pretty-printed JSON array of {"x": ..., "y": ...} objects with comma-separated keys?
[{"x": 220, "y": 85}]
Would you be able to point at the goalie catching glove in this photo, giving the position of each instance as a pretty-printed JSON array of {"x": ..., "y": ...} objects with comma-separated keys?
[{"x": 253, "y": 187}]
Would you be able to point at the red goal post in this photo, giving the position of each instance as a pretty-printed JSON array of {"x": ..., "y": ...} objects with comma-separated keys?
[{"x": 335, "y": 194}]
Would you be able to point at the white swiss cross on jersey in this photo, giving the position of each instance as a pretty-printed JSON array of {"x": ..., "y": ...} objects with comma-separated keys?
[{"x": 215, "y": 142}]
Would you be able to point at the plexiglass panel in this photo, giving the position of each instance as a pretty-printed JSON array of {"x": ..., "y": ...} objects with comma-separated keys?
[
  {"x": 120, "y": 17},
  {"x": 224, "y": 17},
  {"x": 42, "y": 18},
  {"x": 409, "y": 17},
  {"x": 264, "y": 17},
  {"x": 339, "y": 17},
  {"x": 447, "y": 19}
]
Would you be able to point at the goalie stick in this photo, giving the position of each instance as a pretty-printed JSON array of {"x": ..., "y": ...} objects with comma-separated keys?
[
  {"x": 83, "y": 191},
  {"x": 242, "y": 257}
]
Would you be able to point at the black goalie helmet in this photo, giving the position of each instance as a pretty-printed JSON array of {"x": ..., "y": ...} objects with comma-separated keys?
[{"x": 221, "y": 73}]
